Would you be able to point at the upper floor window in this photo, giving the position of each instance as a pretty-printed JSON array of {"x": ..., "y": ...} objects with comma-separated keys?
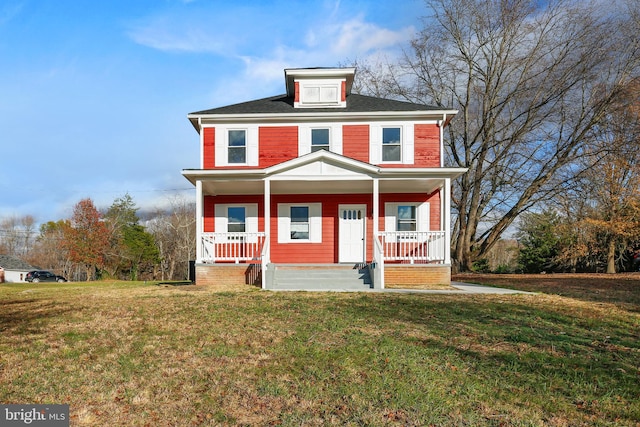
[
  {"x": 391, "y": 144},
  {"x": 319, "y": 136},
  {"x": 319, "y": 140},
  {"x": 237, "y": 149}
]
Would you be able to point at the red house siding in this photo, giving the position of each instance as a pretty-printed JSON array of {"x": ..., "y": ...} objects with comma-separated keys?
[
  {"x": 277, "y": 144},
  {"x": 208, "y": 149},
  {"x": 434, "y": 206},
  {"x": 210, "y": 203},
  {"x": 427, "y": 146},
  {"x": 355, "y": 142},
  {"x": 209, "y": 212},
  {"x": 325, "y": 252}
]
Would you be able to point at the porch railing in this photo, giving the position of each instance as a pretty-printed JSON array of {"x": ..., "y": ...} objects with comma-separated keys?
[
  {"x": 413, "y": 246},
  {"x": 236, "y": 247}
]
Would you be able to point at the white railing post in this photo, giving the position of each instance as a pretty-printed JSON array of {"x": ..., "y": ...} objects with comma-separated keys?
[
  {"x": 446, "y": 226},
  {"x": 199, "y": 220},
  {"x": 378, "y": 263},
  {"x": 414, "y": 246}
]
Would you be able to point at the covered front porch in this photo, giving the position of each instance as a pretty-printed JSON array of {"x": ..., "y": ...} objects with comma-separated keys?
[{"x": 345, "y": 192}]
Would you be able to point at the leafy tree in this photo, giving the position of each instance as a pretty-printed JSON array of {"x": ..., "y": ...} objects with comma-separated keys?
[
  {"x": 86, "y": 237},
  {"x": 539, "y": 237},
  {"x": 141, "y": 251},
  {"x": 131, "y": 248}
]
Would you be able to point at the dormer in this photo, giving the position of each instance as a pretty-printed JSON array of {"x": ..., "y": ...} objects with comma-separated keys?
[{"x": 319, "y": 87}]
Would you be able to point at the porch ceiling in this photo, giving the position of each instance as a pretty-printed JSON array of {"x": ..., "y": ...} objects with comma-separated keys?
[{"x": 229, "y": 187}]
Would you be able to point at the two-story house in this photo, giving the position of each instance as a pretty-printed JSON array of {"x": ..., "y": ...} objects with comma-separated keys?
[{"x": 320, "y": 178}]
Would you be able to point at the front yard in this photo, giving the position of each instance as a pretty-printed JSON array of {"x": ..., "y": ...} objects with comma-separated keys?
[{"x": 124, "y": 353}]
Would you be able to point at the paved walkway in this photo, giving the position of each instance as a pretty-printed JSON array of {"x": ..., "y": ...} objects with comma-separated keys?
[{"x": 460, "y": 288}]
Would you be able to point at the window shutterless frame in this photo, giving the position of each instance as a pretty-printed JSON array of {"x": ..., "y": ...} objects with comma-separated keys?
[
  {"x": 299, "y": 223},
  {"x": 391, "y": 144},
  {"x": 237, "y": 146},
  {"x": 320, "y": 139}
]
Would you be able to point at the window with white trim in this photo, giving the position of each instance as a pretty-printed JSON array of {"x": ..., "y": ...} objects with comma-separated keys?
[
  {"x": 299, "y": 222},
  {"x": 236, "y": 219},
  {"x": 237, "y": 146},
  {"x": 391, "y": 144},
  {"x": 407, "y": 219},
  {"x": 320, "y": 140},
  {"x": 299, "y": 229},
  {"x": 319, "y": 136}
]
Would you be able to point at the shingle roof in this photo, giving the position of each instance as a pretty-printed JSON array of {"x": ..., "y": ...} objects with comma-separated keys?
[
  {"x": 283, "y": 104},
  {"x": 9, "y": 262}
]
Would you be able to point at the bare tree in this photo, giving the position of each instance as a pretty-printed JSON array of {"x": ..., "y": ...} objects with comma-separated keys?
[
  {"x": 17, "y": 235},
  {"x": 530, "y": 80},
  {"x": 175, "y": 235}
]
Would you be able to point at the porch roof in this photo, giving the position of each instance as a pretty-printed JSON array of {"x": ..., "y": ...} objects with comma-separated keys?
[{"x": 320, "y": 172}]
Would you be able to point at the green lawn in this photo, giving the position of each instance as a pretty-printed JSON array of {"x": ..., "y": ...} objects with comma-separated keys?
[{"x": 140, "y": 354}]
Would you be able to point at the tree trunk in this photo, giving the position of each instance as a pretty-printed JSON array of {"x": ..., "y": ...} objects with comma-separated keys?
[{"x": 611, "y": 257}]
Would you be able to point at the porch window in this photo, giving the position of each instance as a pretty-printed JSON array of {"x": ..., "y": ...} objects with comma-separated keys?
[
  {"x": 406, "y": 219},
  {"x": 236, "y": 219},
  {"x": 299, "y": 223},
  {"x": 391, "y": 144},
  {"x": 319, "y": 140},
  {"x": 237, "y": 146}
]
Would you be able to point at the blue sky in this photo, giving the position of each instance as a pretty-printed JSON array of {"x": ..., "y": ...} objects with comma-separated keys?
[{"x": 94, "y": 95}]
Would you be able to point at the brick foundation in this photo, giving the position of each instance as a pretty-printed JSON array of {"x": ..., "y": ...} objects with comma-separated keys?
[
  {"x": 226, "y": 274},
  {"x": 416, "y": 275},
  {"x": 395, "y": 276}
]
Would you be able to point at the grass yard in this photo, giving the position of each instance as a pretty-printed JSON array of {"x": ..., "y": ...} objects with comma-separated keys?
[{"x": 140, "y": 354}]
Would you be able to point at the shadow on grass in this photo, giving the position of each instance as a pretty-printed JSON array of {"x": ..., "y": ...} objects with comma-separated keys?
[
  {"x": 175, "y": 283},
  {"x": 28, "y": 316}
]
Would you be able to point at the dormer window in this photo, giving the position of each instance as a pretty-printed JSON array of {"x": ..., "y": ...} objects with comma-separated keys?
[
  {"x": 319, "y": 87},
  {"x": 320, "y": 93}
]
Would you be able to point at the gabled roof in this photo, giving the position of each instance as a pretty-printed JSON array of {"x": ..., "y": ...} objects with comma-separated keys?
[{"x": 9, "y": 262}]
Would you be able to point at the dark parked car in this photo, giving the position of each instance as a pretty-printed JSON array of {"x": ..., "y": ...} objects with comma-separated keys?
[{"x": 43, "y": 276}]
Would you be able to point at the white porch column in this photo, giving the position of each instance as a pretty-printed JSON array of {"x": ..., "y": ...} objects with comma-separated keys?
[
  {"x": 199, "y": 220},
  {"x": 446, "y": 220},
  {"x": 267, "y": 217},
  {"x": 376, "y": 206}
]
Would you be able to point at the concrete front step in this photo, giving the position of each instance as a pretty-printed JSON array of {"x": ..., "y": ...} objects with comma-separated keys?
[{"x": 329, "y": 277}]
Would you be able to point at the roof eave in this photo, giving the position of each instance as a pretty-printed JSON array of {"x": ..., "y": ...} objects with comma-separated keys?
[{"x": 325, "y": 115}]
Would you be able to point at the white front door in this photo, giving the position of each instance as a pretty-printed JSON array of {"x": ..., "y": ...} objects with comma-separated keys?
[{"x": 351, "y": 230}]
